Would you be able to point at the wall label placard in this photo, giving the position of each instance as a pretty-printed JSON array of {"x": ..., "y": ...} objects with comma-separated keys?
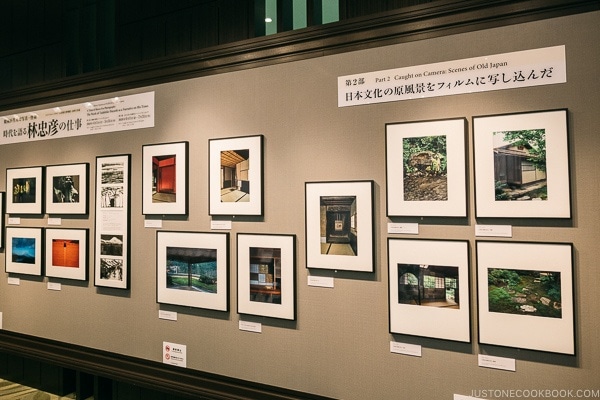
[
  {"x": 119, "y": 113},
  {"x": 536, "y": 67},
  {"x": 175, "y": 354}
]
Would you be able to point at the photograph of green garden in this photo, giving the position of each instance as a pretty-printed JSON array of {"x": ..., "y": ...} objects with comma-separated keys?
[
  {"x": 524, "y": 292},
  {"x": 425, "y": 168},
  {"x": 192, "y": 269}
]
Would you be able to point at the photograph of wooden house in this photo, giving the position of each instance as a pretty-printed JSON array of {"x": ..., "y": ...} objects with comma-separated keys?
[
  {"x": 265, "y": 275},
  {"x": 520, "y": 165},
  {"x": 164, "y": 178},
  {"x": 338, "y": 225},
  {"x": 428, "y": 285},
  {"x": 235, "y": 170}
]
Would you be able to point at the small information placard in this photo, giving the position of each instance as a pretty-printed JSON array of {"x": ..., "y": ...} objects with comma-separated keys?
[
  {"x": 220, "y": 225},
  {"x": 14, "y": 221},
  {"x": 55, "y": 221},
  {"x": 320, "y": 281},
  {"x": 409, "y": 228},
  {"x": 168, "y": 315},
  {"x": 462, "y": 397},
  {"x": 493, "y": 230},
  {"x": 506, "y": 364},
  {"x": 250, "y": 326},
  {"x": 14, "y": 281},
  {"x": 153, "y": 223},
  {"x": 54, "y": 286},
  {"x": 175, "y": 354},
  {"x": 405, "y": 348}
]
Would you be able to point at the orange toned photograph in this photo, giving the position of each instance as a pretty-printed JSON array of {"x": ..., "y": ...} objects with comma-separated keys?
[{"x": 65, "y": 253}]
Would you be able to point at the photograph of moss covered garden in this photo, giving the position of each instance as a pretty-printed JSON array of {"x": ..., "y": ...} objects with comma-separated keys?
[{"x": 524, "y": 292}]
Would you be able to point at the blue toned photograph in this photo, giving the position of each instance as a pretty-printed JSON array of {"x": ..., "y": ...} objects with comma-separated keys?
[{"x": 23, "y": 250}]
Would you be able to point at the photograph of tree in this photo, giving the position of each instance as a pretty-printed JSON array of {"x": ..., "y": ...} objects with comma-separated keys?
[
  {"x": 520, "y": 165},
  {"x": 192, "y": 269},
  {"x": 524, "y": 292},
  {"x": 65, "y": 253},
  {"x": 425, "y": 168},
  {"x": 428, "y": 285}
]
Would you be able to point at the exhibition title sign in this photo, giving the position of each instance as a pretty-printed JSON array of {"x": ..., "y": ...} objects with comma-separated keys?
[
  {"x": 546, "y": 66},
  {"x": 110, "y": 115}
]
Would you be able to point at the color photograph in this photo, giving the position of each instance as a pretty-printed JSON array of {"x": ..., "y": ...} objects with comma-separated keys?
[
  {"x": 265, "y": 275},
  {"x": 428, "y": 285},
  {"x": 425, "y": 168},
  {"x": 23, "y": 250},
  {"x": 235, "y": 176},
  {"x": 65, "y": 253},
  {"x": 24, "y": 190},
  {"x": 339, "y": 233},
  {"x": 192, "y": 269},
  {"x": 164, "y": 179}
]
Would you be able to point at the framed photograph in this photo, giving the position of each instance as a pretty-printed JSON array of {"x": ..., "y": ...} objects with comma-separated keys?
[
  {"x": 266, "y": 271},
  {"x": 429, "y": 288},
  {"x": 165, "y": 179},
  {"x": 522, "y": 165},
  {"x": 111, "y": 251},
  {"x": 426, "y": 168},
  {"x": 236, "y": 176},
  {"x": 67, "y": 188},
  {"x": 192, "y": 269},
  {"x": 525, "y": 295},
  {"x": 24, "y": 251},
  {"x": 67, "y": 253},
  {"x": 339, "y": 225},
  {"x": 26, "y": 186},
  {"x": 2, "y": 204}
]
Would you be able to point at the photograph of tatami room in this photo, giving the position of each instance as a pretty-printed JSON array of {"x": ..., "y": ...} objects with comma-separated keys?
[
  {"x": 428, "y": 285},
  {"x": 338, "y": 225},
  {"x": 163, "y": 179},
  {"x": 265, "y": 275},
  {"x": 235, "y": 169}
]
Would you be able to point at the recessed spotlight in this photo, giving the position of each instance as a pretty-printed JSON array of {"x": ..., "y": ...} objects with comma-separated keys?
[{"x": 268, "y": 19}]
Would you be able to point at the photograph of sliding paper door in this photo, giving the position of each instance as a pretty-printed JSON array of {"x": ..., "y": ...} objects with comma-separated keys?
[
  {"x": 235, "y": 185},
  {"x": 338, "y": 225}
]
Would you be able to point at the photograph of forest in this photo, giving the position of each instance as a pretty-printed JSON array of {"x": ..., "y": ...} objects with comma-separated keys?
[
  {"x": 524, "y": 292},
  {"x": 425, "y": 168}
]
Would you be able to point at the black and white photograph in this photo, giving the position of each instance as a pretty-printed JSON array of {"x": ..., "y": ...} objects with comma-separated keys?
[{"x": 67, "y": 189}]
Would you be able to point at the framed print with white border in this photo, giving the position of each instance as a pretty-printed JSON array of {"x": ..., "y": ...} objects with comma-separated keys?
[
  {"x": 24, "y": 251},
  {"x": 339, "y": 225},
  {"x": 2, "y": 205},
  {"x": 165, "y": 179},
  {"x": 67, "y": 188},
  {"x": 235, "y": 181},
  {"x": 522, "y": 165},
  {"x": 192, "y": 269},
  {"x": 429, "y": 288},
  {"x": 525, "y": 295},
  {"x": 426, "y": 168},
  {"x": 112, "y": 254},
  {"x": 266, "y": 270},
  {"x": 25, "y": 187},
  {"x": 67, "y": 253}
]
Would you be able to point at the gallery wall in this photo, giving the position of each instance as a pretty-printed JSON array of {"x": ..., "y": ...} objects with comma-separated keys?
[{"x": 339, "y": 344}]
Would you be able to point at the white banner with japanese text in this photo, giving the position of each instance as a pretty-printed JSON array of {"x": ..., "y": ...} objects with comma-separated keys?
[
  {"x": 110, "y": 115},
  {"x": 545, "y": 66}
]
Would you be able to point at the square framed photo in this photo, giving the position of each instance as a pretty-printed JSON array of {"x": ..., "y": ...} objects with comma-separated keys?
[
  {"x": 67, "y": 189},
  {"x": 236, "y": 176},
  {"x": 426, "y": 168},
  {"x": 525, "y": 295},
  {"x": 522, "y": 165},
  {"x": 26, "y": 186},
  {"x": 192, "y": 269},
  {"x": 24, "y": 251},
  {"x": 266, "y": 275},
  {"x": 111, "y": 245},
  {"x": 339, "y": 225},
  {"x": 67, "y": 253},
  {"x": 165, "y": 179},
  {"x": 429, "y": 288}
]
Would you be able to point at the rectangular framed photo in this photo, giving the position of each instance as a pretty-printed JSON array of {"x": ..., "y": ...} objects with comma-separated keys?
[
  {"x": 339, "y": 225},
  {"x": 67, "y": 253},
  {"x": 236, "y": 176},
  {"x": 429, "y": 288},
  {"x": 165, "y": 179},
  {"x": 24, "y": 251},
  {"x": 2, "y": 205},
  {"x": 26, "y": 186},
  {"x": 192, "y": 269},
  {"x": 426, "y": 168},
  {"x": 266, "y": 275},
  {"x": 525, "y": 295},
  {"x": 111, "y": 245},
  {"x": 67, "y": 189},
  {"x": 522, "y": 165}
]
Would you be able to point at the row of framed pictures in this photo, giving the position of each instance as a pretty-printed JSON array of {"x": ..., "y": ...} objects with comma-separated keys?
[{"x": 521, "y": 171}]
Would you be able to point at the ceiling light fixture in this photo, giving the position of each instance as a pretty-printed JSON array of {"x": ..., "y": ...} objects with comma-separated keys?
[{"x": 268, "y": 19}]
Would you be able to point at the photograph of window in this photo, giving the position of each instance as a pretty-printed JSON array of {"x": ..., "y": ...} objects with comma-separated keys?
[
  {"x": 192, "y": 269},
  {"x": 339, "y": 233},
  {"x": 428, "y": 285},
  {"x": 235, "y": 172}
]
